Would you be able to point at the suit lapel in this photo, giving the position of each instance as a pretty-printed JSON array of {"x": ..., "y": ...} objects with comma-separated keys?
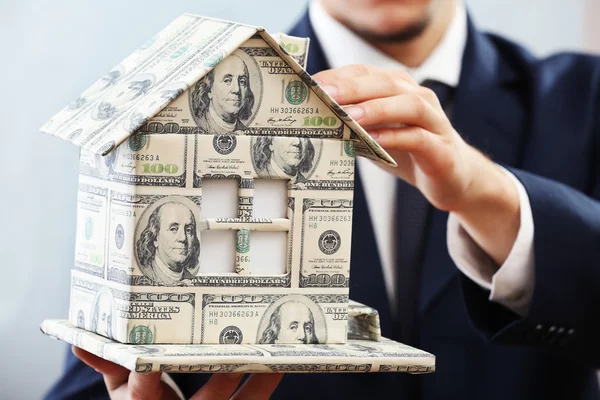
[{"x": 488, "y": 114}]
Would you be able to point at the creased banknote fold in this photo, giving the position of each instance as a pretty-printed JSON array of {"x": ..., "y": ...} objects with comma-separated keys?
[{"x": 363, "y": 322}]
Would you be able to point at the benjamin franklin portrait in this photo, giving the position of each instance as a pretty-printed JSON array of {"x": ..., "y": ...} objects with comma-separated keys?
[
  {"x": 293, "y": 321},
  {"x": 168, "y": 248},
  {"x": 283, "y": 157},
  {"x": 102, "y": 321},
  {"x": 223, "y": 100}
]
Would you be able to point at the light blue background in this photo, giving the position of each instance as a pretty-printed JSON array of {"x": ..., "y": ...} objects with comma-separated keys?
[{"x": 51, "y": 51}]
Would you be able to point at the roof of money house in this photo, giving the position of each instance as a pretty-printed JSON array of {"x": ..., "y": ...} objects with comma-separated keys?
[{"x": 191, "y": 45}]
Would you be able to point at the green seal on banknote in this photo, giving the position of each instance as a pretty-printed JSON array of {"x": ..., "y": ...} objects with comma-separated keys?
[
  {"x": 349, "y": 148},
  {"x": 296, "y": 92},
  {"x": 137, "y": 142},
  {"x": 243, "y": 241},
  {"x": 141, "y": 334}
]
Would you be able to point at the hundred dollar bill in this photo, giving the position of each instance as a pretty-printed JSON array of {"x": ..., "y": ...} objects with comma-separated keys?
[
  {"x": 274, "y": 318},
  {"x": 325, "y": 242},
  {"x": 142, "y": 160},
  {"x": 140, "y": 252},
  {"x": 141, "y": 318},
  {"x": 254, "y": 91},
  {"x": 358, "y": 356},
  {"x": 308, "y": 164}
]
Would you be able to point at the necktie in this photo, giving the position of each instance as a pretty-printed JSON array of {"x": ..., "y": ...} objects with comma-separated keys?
[{"x": 411, "y": 216}]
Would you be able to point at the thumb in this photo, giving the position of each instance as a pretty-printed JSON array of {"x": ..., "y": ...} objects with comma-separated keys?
[
  {"x": 145, "y": 386},
  {"x": 119, "y": 379},
  {"x": 114, "y": 375}
]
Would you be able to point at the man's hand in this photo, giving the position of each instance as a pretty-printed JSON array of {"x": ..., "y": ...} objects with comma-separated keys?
[
  {"x": 124, "y": 384},
  {"x": 408, "y": 121}
]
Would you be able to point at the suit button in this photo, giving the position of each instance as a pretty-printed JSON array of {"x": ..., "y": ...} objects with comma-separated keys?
[
  {"x": 567, "y": 338},
  {"x": 550, "y": 337},
  {"x": 538, "y": 331},
  {"x": 560, "y": 333}
]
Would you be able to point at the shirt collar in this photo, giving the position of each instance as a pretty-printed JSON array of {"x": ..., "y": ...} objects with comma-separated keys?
[{"x": 443, "y": 64}]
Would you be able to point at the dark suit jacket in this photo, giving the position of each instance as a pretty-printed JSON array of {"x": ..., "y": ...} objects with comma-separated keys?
[{"x": 540, "y": 118}]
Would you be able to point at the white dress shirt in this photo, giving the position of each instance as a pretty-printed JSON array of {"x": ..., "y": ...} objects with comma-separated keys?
[{"x": 510, "y": 285}]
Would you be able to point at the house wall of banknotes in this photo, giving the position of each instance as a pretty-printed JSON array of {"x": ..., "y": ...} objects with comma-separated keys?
[
  {"x": 209, "y": 100},
  {"x": 138, "y": 275}
]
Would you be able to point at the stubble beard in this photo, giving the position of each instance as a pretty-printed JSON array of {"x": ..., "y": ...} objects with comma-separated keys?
[{"x": 403, "y": 36}]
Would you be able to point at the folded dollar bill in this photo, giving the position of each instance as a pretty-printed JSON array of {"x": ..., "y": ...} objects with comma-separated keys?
[
  {"x": 353, "y": 356},
  {"x": 363, "y": 322}
]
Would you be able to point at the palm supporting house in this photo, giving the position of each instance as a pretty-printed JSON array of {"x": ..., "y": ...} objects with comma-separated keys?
[{"x": 215, "y": 192}]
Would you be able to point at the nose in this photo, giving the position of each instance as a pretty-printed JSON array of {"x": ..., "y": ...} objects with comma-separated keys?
[
  {"x": 181, "y": 236},
  {"x": 300, "y": 336},
  {"x": 296, "y": 142},
  {"x": 235, "y": 86}
]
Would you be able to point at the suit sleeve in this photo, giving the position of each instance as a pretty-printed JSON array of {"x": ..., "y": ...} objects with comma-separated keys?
[
  {"x": 510, "y": 284},
  {"x": 78, "y": 381},
  {"x": 563, "y": 315}
]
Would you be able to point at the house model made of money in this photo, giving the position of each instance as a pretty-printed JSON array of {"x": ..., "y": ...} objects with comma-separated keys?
[{"x": 215, "y": 192}]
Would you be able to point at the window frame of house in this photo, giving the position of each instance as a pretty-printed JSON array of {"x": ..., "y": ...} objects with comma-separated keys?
[{"x": 245, "y": 223}]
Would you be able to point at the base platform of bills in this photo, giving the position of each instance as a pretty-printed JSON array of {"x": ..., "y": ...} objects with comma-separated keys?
[{"x": 354, "y": 356}]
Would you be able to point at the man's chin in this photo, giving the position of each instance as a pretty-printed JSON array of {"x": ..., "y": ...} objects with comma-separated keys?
[{"x": 403, "y": 35}]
